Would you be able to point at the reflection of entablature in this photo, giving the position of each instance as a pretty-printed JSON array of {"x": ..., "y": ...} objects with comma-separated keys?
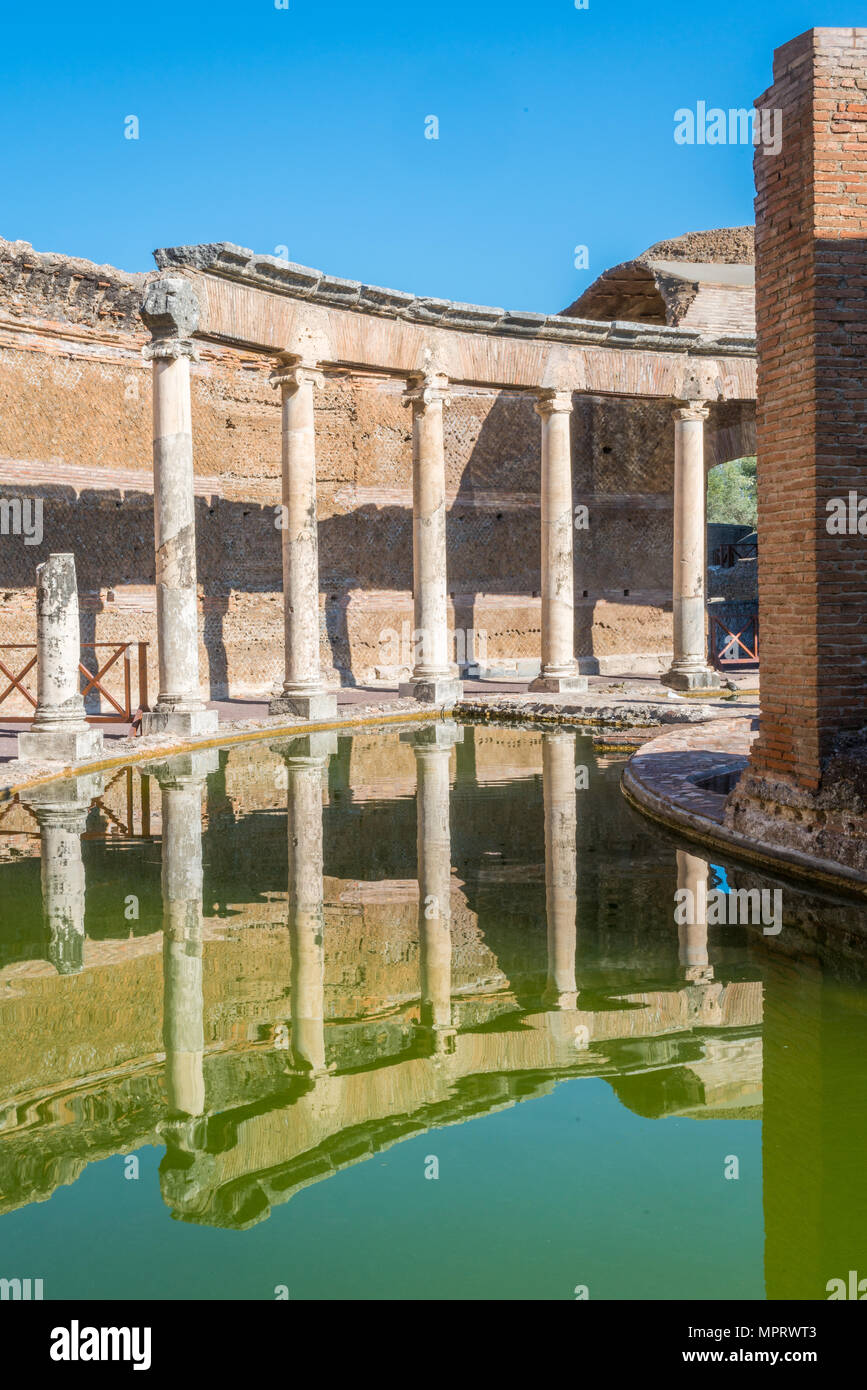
[{"x": 256, "y": 1112}]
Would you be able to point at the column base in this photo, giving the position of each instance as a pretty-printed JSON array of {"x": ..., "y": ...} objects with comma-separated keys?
[
  {"x": 186, "y": 723},
  {"x": 60, "y": 745},
  {"x": 692, "y": 678},
  {"x": 321, "y": 704},
  {"x": 432, "y": 690},
  {"x": 437, "y": 1040},
  {"x": 560, "y": 1002},
  {"x": 558, "y": 685}
]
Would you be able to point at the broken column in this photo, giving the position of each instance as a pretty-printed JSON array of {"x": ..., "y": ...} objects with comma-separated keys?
[
  {"x": 61, "y": 810},
  {"x": 559, "y": 668},
  {"x": 434, "y": 677},
  {"x": 689, "y": 667},
  {"x": 432, "y": 746},
  {"x": 171, "y": 311},
  {"x": 306, "y": 760},
  {"x": 304, "y": 694},
  {"x": 59, "y": 732},
  {"x": 561, "y": 867}
]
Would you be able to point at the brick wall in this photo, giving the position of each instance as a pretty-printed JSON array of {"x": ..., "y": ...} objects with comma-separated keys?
[{"x": 811, "y": 279}]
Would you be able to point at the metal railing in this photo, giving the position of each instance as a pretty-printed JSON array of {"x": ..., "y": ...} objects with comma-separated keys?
[
  {"x": 117, "y": 825},
  {"x": 726, "y": 556},
  {"x": 122, "y": 709}
]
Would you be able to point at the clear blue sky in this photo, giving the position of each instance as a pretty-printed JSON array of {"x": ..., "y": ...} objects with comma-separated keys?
[{"x": 304, "y": 127}]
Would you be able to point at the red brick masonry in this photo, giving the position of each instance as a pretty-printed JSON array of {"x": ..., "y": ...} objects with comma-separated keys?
[{"x": 662, "y": 779}]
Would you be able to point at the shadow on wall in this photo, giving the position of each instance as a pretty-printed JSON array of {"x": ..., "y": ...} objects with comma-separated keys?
[{"x": 622, "y": 463}]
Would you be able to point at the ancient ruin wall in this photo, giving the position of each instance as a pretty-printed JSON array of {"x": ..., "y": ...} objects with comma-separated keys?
[{"x": 75, "y": 432}]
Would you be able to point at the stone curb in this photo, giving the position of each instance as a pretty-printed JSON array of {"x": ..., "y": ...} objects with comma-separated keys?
[{"x": 703, "y": 826}]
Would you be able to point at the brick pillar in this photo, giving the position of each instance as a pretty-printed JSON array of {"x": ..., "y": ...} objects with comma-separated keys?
[{"x": 811, "y": 281}]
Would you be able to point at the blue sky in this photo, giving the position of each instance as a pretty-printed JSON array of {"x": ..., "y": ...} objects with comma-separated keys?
[{"x": 304, "y": 128}]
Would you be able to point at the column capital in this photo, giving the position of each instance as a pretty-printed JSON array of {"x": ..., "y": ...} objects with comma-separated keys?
[
  {"x": 170, "y": 309},
  {"x": 437, "y": 737},
  {"x": 307, "y": 750},
  {"x": 184, "y": 769},
  {"x": 294, "y": 371},
  {"x": 691, "y": 410},
  {"x": 425, "y": 389},
  {"x": 551, "y": 402}
]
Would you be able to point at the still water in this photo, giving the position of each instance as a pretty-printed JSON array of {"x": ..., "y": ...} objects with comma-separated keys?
[{"x": 407, "y": 1015}]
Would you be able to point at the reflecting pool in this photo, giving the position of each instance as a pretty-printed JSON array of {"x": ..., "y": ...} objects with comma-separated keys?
[{"x": 409, "y": 1015}]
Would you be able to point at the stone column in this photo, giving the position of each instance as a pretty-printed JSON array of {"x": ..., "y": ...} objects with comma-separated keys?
[
  {"x": 61, "y": 810},
  {"x": 171, "y": 311},
  {"x": 434, "y": 677},
  {"x": 561, "y": 867},
  {"x": 432, "y": 747},
  {"x": 304, "y": 694},
  {"x": 306, "y": 759},
  {"x": 559, "y": 668},
  {"x": 693, "y": 874},
  {"x": 690, "y": 669},
  {"x": 182, "y": 781},
  {"x": 59, "y": 732}
]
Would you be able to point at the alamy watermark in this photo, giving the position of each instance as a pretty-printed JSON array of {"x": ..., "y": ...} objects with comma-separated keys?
[
  {"x": 737, "y": 126},
  {"x": 21, "y": 1290},
  {"x": 77, "y": 1343},
  {"x": 22, "y": 516},
  {"x": 855, "y": 1289},
  {"x": 847, "y": 516},
  {"x": 740, "y": 907},
  {"x": 413, "y": 646}
]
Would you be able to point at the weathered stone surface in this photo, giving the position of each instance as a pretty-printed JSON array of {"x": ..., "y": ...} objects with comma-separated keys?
[
  {"x": 59, "y": 732},
  {"x": 86, "y": 450},
  {"x": 170, "y": 308},
  {"x": 321, "y": 705}
]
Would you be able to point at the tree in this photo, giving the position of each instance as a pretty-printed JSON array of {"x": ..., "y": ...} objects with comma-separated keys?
[{"x": 731, "y": 492}]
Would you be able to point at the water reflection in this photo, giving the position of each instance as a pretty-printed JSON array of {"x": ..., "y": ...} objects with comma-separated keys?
[
  {"x": 526, "y": 937},
  {"x": 306, "y": 762},
  {"x": 432, "y": 747},
  {"x": 61, "y": 812}
]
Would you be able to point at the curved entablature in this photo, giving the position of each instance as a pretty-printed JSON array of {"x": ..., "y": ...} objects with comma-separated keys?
[{"x": 276, "y": 306}]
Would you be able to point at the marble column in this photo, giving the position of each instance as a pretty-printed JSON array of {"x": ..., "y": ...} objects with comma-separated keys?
[
  {"x": 432, "y": 746},
  {"x": 559, "y": 668},
  {"x": 693, "y": 875},
  {"x": 434, "y": 677},
  {"x": 561, "y": 867},
  {"x": 61, "y": 810},
  {"x": 306, "y": 759},
  {"x": 689, "y": 668},
  {"x": 59, "y": 732},
  {"x": 170, "y": 310},
  {"x": 182, "y": 781},
  {"x": 304, "y": 694}
]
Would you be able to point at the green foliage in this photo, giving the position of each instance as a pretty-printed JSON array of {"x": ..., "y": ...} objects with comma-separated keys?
[{"x": 731, "y": 492}]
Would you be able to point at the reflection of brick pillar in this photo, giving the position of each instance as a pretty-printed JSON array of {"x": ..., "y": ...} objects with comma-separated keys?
[{"x": 811, "y": 272}]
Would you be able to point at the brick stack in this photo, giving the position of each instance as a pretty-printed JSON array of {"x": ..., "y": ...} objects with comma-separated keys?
[{"x": 811, "y": 281}]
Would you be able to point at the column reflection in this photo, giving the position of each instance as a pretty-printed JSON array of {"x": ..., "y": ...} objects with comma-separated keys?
[
  {"x": 432, "y": 747},
  {"x": 561, "y": 867},
  {"x": 61, "y": 810},
  {"x": 306, "y": 760}
]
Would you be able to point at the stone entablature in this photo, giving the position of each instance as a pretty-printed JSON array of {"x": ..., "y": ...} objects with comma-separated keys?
[
  {"x": 276, "y": 306},
  {"x": 75, "y": 429}
]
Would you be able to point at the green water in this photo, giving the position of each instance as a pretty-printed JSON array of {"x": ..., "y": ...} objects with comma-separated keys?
[{"x": 409, "y": 1016}]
